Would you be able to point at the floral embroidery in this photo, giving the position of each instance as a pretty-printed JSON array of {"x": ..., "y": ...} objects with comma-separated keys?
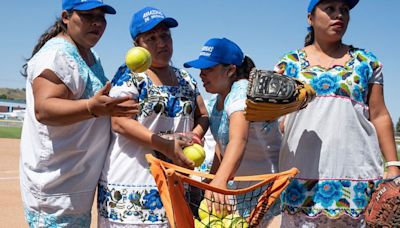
[
  {"x": 37, "y": 219},
  {"x": 327, "y": 192},
  {"x": 330, "y": 197},
  {"x": 170, "y": 101},
  {"x": 350, "y": 80},
  {"x": 130, "y": 204},
  {"x": 292, "y": 70},
  {"x": 295, "y": 194},
  {"x": 153, "y": 200},
  {"x": 326, "y": 83}
]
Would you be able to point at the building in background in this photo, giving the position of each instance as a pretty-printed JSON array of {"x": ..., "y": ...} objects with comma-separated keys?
[{"x": 12, "y": 110}]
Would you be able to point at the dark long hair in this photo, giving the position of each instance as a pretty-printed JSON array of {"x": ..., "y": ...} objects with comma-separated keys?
[
  {"x": 309, "y": 37},
  {"x": 243, "y": 71},
  {"x": 58, "y": 27}
]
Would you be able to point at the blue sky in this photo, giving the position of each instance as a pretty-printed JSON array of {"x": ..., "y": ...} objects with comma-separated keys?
[{"x": 264, "y": 29}]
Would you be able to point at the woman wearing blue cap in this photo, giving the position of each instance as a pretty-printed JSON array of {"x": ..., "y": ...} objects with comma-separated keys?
[
  {"x": 338, "y": 140},
  {"x": 66, "y": 131},
  {"x": 243, "y": 148},
  {"x": 170, "y": 103}
]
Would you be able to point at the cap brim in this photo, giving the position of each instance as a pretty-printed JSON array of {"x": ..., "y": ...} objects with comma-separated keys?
[
  {"x": 352, "y": 3},
  {"x": 313, "y": 3},
  {"x": 93, "y": 5},
  {"x": 200, "y": 64},
  {"x": 170, "y": 22}
]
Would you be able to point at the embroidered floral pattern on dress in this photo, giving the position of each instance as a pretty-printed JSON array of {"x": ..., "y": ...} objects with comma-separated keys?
[
  {"x": 170, "y": 101},
  {"x": 35, "y": 219},
  {"x": 127, "y": 203},
  {"x": 350, "y": 80},
  {"x": 341, "y": 192},
  {"x": 135, "y": 200},
  {"x": 332, "y": 198}
]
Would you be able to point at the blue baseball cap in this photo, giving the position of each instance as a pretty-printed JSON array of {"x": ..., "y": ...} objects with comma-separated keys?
[
  {"x": 217, "y": 51},
  {"x": 87, "y": 5},
  {"x": 148, "y": 18},
  {"x": 313, "y": 3}
]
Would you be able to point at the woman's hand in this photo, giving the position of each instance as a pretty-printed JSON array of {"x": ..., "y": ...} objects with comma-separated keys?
[
  {"x": 392, "y": 172},
  {"x": 103, "y": 105},
  {"x": 218, "y": 201},
  {"x": 174, "y": 152}
]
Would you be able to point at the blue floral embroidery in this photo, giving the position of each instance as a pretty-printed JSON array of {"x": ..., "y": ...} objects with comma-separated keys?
[
  {"x": 292, "y": 70},
  {"x": 134, "y": 197},
  {"x": 153, "y": 218},
  {"x": 121, "y": 80},
  {"x": 174, "y": 106},
  {"x": 345, "y": 183},
  {"x": 332, "y": 197},
  {"x": 295, "y": 193},
  {"x": 357, "y": 94},
  {"x": 170, "y": 101},
  {"x": 114, "y": 215},
  {"x": 354, "y": 75},
  {"x": 360, "y": 187},
  {"x": 360, "y": 202},
  {"x": 327, "y": 192},
  {"x": 364, "y": 70},
  {"x": 36, "y": 219},
  {"x": 153, "y": 200},
  {"x": 131, "y": 204},
  {"x": 325, "y": 84}
]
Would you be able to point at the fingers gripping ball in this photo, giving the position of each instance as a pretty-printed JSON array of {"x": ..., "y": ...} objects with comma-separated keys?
[
  {"x": 204, "y": 212},
  {"x": 138, "y": 59},
  {"x": 195, "y": 153}
]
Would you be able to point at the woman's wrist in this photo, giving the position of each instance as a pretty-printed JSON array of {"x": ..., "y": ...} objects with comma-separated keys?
[
  {"x": 89, "y": 108},
  {"x": 390, "y": 164},
  {"x": 163, "y": 143},
  {"x": 196, "y": 138}
]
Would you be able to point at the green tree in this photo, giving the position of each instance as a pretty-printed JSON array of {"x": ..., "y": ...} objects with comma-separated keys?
[{"x": 398, "y": 125}]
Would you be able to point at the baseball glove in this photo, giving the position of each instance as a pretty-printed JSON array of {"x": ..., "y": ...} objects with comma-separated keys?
[
  {"x": 271, "y": 95},
  {"x": 384, "y": 208}
]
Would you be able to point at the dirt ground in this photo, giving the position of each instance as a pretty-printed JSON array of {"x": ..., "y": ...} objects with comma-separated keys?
[{"x": 11, "y": 213}]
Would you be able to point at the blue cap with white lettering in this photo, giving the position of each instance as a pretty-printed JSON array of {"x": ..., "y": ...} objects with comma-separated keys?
[
  {"x": 87, "y": 5},
  {"x": 148, "y": 18},
  {"x": 217, "y": 51}
]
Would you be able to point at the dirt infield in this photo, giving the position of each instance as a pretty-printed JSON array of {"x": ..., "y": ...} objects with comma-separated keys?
[{"x": 11, "y": 212}]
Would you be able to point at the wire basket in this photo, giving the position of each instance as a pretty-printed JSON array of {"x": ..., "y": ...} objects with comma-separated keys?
[{"x": 182, "y": 194}]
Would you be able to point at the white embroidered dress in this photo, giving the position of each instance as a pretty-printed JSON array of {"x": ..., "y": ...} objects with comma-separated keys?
[
  {"x": 60, "y": 165},
  {"x": 128, "y": 196},
  {"x": 331, "y": 141}
]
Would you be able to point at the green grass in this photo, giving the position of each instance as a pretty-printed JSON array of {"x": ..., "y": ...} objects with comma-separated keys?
[{"x": 10, "y": 132}]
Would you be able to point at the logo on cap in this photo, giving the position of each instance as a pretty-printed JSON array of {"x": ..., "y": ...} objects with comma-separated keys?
[
  {"x": 206, "y": 51},
  {"x": 147, "y": 16}
]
